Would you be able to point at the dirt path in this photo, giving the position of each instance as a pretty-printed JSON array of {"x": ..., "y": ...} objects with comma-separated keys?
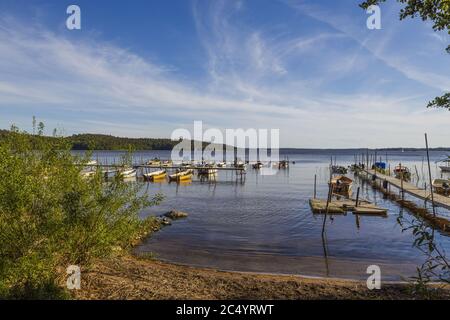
[{"x": 129, "y": 277}]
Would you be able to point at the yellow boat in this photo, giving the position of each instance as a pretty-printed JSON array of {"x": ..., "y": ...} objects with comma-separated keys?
[
  {"x": 181, "y": 176},
  {"x": 154, "y": 162},
  {"x": 155, "y": 175},
  {"x": 167, "y": 163}
]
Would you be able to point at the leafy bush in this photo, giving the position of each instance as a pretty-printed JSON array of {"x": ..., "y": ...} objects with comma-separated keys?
[{"x": 52, "y": 217}]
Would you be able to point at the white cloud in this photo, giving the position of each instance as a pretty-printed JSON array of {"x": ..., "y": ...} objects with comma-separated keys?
[{"x": 251, "y": 83}]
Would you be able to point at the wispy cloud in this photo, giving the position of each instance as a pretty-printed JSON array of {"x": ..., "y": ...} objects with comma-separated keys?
[
  {"x": 315, "y": 85},
  {"x": 385, "y": 48}
]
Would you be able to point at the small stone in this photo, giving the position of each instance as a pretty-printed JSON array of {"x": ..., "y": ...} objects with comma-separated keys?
[
  {"x": 175, "y": 214},
  {"x": 166, "y": 221}
]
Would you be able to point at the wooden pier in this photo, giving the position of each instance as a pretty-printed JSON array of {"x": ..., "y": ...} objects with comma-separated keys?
[
  {"x": 143, "y": 166},
  {"x": 319, "y": 206},
  {"x": 204, "y": 172},
  {"x": 172, "y": 167},
  {"x": 439, "y": 200}
]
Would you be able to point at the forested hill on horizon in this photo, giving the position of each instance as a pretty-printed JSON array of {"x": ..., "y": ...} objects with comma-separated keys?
[
  {"x": 90, "y": 141},
  {"x": 108, "y": 142}
]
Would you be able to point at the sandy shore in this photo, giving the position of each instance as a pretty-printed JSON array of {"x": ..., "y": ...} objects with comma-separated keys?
[{"x": 129, "y": 277}]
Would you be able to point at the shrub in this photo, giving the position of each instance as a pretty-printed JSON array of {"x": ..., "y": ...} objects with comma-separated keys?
[{"x": 52, "y": 217}]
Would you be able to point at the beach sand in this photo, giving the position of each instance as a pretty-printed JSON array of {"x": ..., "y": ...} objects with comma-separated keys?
[{"x": 130, "y": 277}]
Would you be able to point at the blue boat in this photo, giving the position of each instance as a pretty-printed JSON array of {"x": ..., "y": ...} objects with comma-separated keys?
[{"x": 380, "y": 165}]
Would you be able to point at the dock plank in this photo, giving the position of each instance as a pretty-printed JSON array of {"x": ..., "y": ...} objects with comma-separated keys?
[
  {"x": 344, "y": 206},
  {"x": 439, "y": 200}
]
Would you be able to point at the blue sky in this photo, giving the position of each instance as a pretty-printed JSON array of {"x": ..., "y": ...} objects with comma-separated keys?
[{"x": 144, "y": 68}]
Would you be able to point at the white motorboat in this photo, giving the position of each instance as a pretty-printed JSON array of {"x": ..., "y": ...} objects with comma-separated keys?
[
  {"x": 87, "y": 173},
  {"x": 127, "y": 173},
  {"x": 110, "y": 173},
  {"x": 442, "y": 186},
  {"x": 446, "y": 167}
]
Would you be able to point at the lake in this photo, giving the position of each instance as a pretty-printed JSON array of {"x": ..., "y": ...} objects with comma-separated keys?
[{"x": 265, "y": 224}]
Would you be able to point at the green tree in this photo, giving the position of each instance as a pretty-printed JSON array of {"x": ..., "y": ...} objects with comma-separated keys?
[
  {"x": 41, "y": 128},
  {"x": 436, "y": 11}
]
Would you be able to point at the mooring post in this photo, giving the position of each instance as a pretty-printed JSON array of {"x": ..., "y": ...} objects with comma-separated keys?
[
  {"x": 357, "y": 197},
  {"x": 315, "y": 185},
  {"x": 401, "y": 181},
  {"x": 330, "y": 192},
  {"x": 367, "y": 159},
  {"x": 429, "y": 174},
  {"x": 375, "y": 161}
]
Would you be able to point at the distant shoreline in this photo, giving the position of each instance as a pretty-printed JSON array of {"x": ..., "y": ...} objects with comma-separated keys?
[{"x": 102, "y": 142}]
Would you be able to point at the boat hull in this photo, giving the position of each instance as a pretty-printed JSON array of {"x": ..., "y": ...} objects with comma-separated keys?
[
  {"x": 128, "y": 174},
  {"x": 155, "y": 176},
  {"x": 110, "y": 174},
  {"x": 181, "y": 176},
  {"x": 207, "y": 171},
  {"x": 441, "y": 186},
  {"x": 88, "y": 174},
  {"x": 185, "y": 177}
]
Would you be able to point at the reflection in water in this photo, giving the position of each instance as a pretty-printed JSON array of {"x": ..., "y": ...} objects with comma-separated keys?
[
  {"x": 436, "y": 264},
  {"x": 325, "y": 253},
  {"x": 265, "y": 224}
]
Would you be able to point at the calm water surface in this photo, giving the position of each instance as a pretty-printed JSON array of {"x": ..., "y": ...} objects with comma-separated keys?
[{"x": 265, "y": 224}]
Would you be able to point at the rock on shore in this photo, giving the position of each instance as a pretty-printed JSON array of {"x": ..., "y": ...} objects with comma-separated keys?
[{"x": 175, "y": 214}]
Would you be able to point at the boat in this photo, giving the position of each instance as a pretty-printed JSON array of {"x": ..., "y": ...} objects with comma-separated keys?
[
  {"x": 206, "y": 169},
  {"x": 446, "y": 167},
  {"x": 155, "y": 175},
  {"x": 380, "y": 167},
  {"x": 356, "y": 167},
  {"x": 221, "y": 164},
  {"x": 241, "y": 165},
  {"x": 342, "y": 185},
  {"x": 402, "y": 172},
  {"x": 181, "y": 175},
  {"x": 91, "y": 163},
  {"x": 154, "y": 162},
  {"x": 284, "y": 164},
  {"x": 110, "y": 173},
  {"x": 185, "y": 164},
  {"x": 339, "y": 170},
  {"x": 441, "y": 186},
  {"x": 87, "y": 173},
  {"x": 127, "y": 173},
  {"x": 167, "y": 163},
  {"x": 257, "y": 165}
]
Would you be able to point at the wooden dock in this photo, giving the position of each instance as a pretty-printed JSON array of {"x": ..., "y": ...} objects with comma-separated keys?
[
  {"x": 439, "y": 200},
  {"x": 172, "y": 167},
  {"x": 343, "y": 206}
]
